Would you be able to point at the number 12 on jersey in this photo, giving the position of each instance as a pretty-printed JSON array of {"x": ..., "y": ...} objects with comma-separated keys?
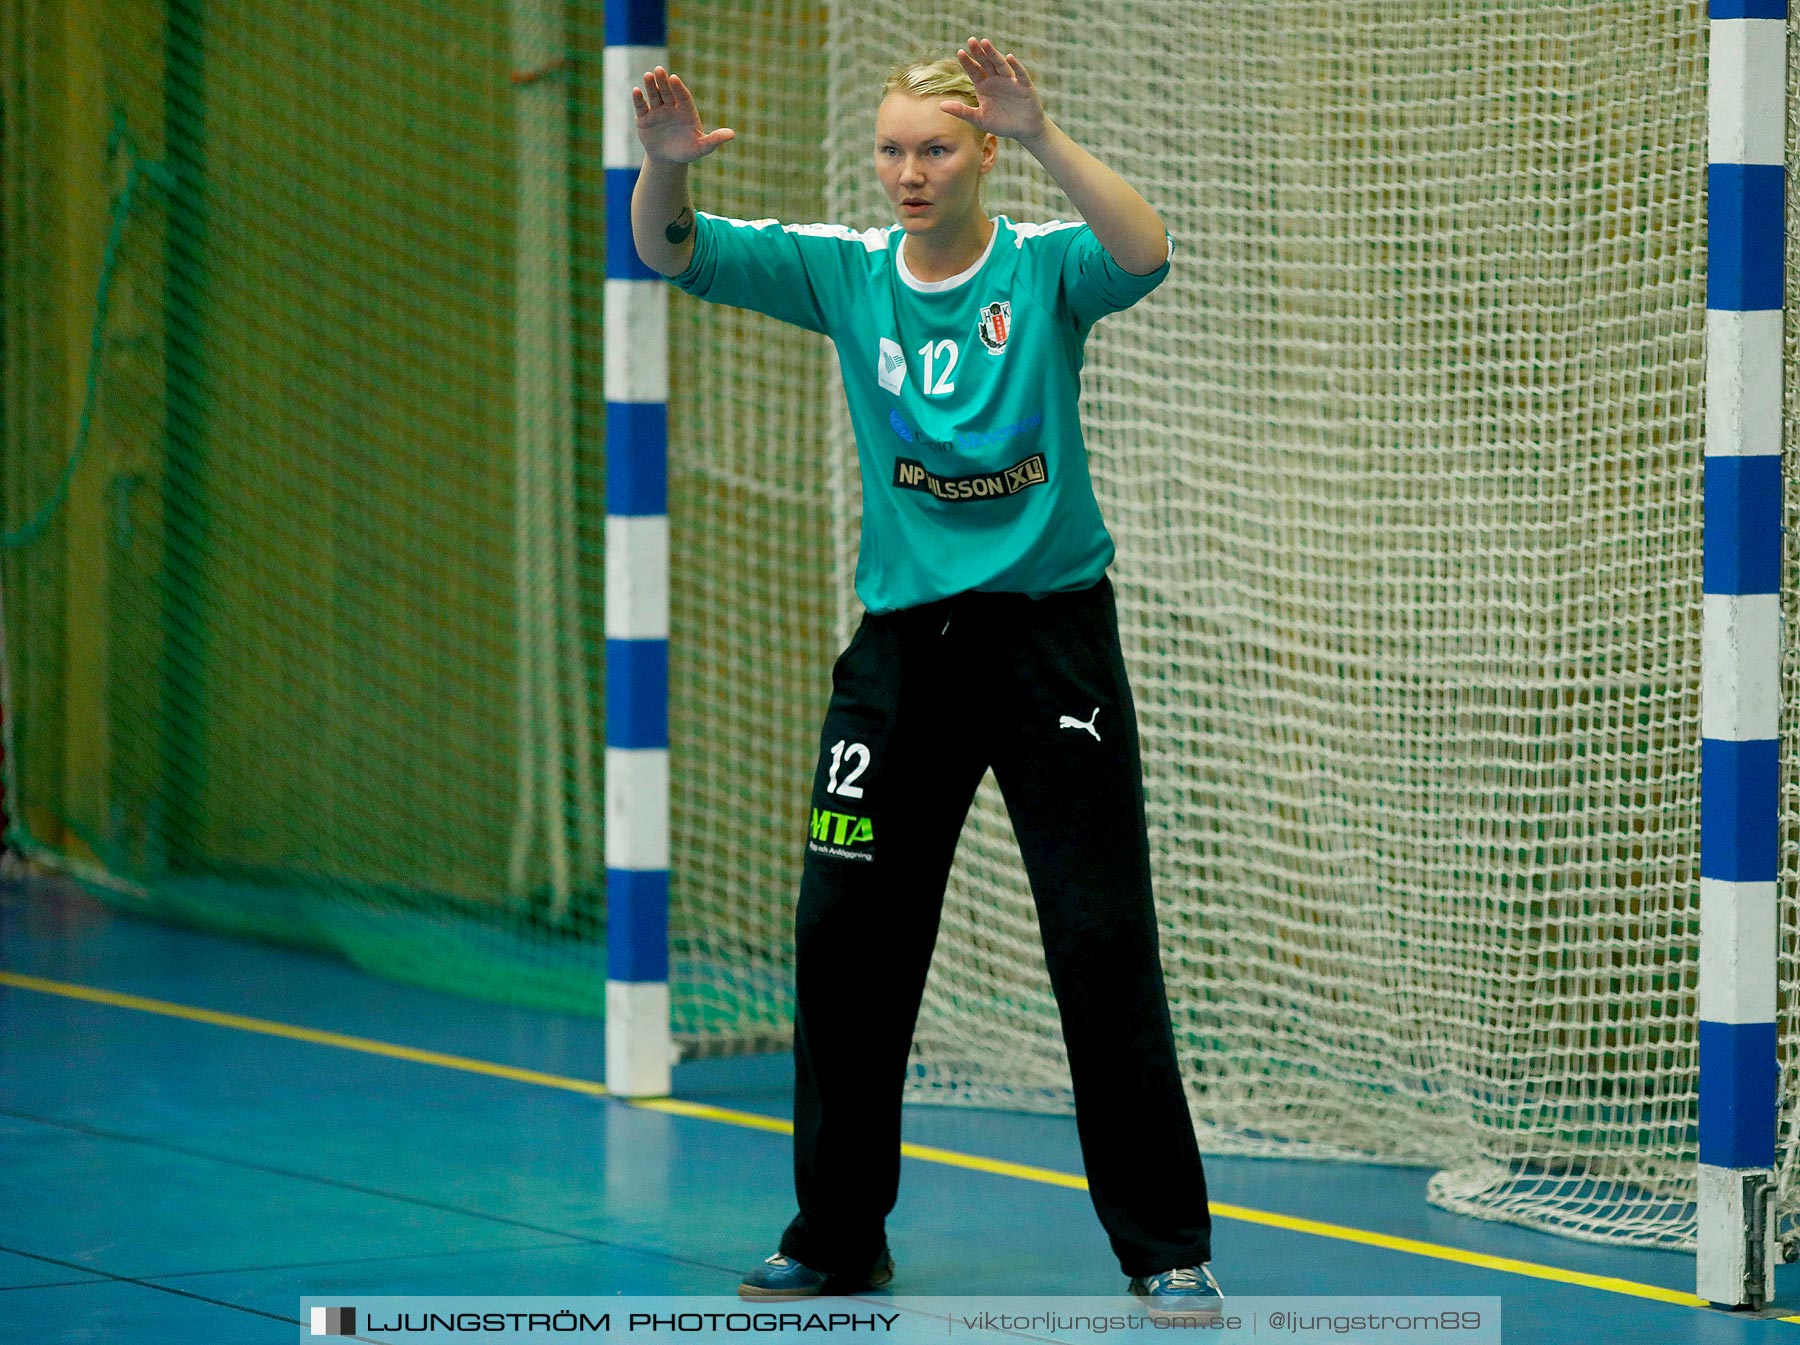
[{"x": 931, "y": 352}]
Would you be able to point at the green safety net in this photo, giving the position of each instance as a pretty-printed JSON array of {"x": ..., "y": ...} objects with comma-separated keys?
[{"x": 303, "y": 551}]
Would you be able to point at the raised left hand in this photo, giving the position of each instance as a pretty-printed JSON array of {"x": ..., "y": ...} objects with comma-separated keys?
[{"x": 1009, "y": 102}]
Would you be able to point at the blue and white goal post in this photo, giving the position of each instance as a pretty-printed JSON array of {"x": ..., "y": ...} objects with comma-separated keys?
[
  {"x": 1741, "y": 660},
  {"x": 639, "y": 1048}
]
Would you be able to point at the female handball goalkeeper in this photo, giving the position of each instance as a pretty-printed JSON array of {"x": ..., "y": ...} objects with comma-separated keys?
[{"x": 990, "y": 641}]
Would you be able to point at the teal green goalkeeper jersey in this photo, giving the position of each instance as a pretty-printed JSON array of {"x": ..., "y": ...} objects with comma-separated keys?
[{"x": 962, "y": 392}]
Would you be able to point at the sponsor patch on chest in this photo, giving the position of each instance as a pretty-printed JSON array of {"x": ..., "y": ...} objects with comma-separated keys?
[
  {"x": 995, "y": 325},
  {"x": 890, "y": 366},
  {"x": 1023, "y": 475}
]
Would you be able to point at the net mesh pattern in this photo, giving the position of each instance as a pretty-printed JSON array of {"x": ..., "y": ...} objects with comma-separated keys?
[
  {"x": 1787, "y": 1007},
  {"x": 750, "y": 503},
  {"x": 312, "y": 650},
  {"x": 1403, "y": 461}
]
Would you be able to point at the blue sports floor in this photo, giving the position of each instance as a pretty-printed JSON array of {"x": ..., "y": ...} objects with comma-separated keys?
[{"x": 195, "y": 1133}]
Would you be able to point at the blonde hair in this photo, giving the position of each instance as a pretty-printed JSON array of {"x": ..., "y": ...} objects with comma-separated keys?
[{"x": 931, "y": 79}]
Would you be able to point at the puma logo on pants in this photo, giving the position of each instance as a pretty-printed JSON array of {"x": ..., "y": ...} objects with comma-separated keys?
[{"x": 1070, "y": 722}]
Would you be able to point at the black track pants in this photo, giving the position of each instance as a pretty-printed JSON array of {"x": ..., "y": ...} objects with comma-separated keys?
[{"x": 923, "y": 702}]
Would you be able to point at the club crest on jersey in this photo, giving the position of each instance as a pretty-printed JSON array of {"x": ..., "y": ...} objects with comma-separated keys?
[{"x": 995, "y": 325}]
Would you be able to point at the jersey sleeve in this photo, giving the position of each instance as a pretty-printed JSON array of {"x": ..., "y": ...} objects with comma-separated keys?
[
  {"x": 1096, "y": 285},
  {"x": 799, "y": 273}
]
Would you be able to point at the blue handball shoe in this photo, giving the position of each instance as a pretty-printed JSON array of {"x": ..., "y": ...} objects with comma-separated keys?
[
  {"x": 1190, "y": 1291},
  {"x": 783, "y": 1277}
]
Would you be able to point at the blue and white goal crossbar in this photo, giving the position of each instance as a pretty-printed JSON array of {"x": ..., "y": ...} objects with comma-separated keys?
[
  {"x": 1741, "y": 659},
  {"x": 639, "y": 1050}
]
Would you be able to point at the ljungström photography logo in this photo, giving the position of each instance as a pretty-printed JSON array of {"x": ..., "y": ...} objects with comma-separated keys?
[{"x": 334, "y": 1321}]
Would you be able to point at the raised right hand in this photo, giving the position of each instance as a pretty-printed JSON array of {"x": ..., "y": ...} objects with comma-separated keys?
[{"x": 668, "y": 123}]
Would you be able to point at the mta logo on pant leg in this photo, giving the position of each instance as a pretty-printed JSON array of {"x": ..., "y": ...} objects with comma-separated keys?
[{"x": 841, "y": 828}]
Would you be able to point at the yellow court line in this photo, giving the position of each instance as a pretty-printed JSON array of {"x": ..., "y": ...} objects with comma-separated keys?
[
  {"x": 699, "y": 1111},
  {"x": 923, "y": 1152},
  {"x": 1412, "y": 1246},
  {"x": 776, "y": 1125},
  {"x": 269, "y": 1028},
  {"x": 999, "y": 1167}
]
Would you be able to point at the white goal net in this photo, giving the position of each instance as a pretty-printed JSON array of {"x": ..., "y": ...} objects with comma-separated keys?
[{"x": 1404, "y": 465}]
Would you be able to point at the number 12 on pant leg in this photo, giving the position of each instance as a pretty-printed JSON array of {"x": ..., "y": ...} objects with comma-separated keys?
[
  {"x": 840, "y": 834},
  {"x": 843, "y": 753}
]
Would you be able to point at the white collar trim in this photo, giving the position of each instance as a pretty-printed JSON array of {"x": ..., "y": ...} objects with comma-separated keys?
[{"x": 949, "y": 282}]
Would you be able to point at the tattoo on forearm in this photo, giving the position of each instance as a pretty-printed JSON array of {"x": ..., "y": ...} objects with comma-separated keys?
[{"x": 682, "y": 228}]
